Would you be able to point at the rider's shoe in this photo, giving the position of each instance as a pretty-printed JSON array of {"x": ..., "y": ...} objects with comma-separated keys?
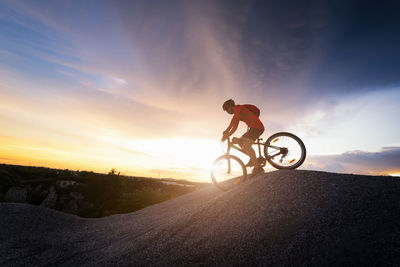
[
  {"x": 256, "y": 171},
  {"x": 260, "y": 160}
]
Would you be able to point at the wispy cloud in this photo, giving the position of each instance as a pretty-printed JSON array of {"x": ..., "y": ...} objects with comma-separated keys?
[
  {"x": 169, "y": 76},
  {"x": 79, "y": 72},
  {"x": 382, "y": 162}
]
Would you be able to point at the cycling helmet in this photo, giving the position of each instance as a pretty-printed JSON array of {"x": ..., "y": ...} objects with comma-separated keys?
[{"x": 227, "y": 104}]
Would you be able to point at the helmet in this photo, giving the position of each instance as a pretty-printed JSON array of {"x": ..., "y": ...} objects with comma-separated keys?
[{"x": 227, "y": 104}]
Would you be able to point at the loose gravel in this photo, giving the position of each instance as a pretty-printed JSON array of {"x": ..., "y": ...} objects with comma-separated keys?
[{"x": 278, "y": 218}]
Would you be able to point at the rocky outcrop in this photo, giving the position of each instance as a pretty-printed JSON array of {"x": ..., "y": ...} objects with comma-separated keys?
[
  {"x": 51, "y": 199},
  {"x": 76, "y": 196},
  {"x": 282, "y": 218},
  {"x": 66, "y": 183},
  {"x": 71, "y": 201},
  {"x": 17, "y": 194},
  {"x": 59, "y": 195}
]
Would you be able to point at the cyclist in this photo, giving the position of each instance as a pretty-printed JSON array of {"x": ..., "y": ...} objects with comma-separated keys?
[{"x": 247, "y": 114}]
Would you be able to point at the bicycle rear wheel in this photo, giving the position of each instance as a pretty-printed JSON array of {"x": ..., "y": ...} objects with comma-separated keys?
[
  {"x": 285, "y": 151},
  {"x": 228, "y": 171}
]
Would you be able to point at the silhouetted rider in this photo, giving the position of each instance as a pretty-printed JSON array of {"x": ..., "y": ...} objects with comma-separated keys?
[{"x": 249, "y": 115}]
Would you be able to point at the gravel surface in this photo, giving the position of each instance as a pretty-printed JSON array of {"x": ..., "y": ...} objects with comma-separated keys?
[{"x": 278, "y": 218}]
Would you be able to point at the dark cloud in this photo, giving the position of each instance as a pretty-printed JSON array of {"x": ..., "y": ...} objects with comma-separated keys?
[
  {"x": 325, "y": 46},
  {"x": 361, "y": 40},
  {"x": 383, "y": 162}
]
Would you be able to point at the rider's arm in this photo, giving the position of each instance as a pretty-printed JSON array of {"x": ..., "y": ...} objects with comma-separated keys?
[{"x": 234, "y": 122}]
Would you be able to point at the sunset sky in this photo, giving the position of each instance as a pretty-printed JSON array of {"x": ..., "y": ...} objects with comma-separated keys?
[{"x": 138, "y": 85}]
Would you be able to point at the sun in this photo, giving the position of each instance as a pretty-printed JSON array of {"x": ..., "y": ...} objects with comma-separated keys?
[{"x": 186, "y": 155}]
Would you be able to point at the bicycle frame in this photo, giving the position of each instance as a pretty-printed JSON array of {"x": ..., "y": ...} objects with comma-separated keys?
[
  {"x": 287, "y": 146},
  {"x": 259, "y": 144}
]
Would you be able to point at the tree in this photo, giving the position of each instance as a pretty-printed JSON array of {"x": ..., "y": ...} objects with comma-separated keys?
[{"x": 113, "y": 171}]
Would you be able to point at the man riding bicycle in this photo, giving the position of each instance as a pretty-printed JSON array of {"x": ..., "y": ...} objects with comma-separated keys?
[{"x": 247, "y": 114}]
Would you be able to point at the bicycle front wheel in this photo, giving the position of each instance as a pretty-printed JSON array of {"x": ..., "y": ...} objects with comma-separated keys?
[
  {"x": 228, "y": 171},
  {"x": 285, "y": 151}
]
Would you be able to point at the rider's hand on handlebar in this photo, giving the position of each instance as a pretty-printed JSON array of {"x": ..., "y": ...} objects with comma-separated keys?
[{"x": 225, "y": 136}]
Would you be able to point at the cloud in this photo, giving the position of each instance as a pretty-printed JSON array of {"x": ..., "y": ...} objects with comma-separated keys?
[
  {"x": 303, "y": 54},
  {"x": 161, "y": 66},
  {"x": 385, "y": 161},
  {"x": 145, "y": 70}
]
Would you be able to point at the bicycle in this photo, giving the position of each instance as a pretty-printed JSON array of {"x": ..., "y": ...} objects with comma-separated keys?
[{"x": 282, "y": 150}]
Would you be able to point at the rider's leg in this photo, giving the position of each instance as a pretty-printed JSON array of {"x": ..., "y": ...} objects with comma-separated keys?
[
  {"x": 241, "y": 144},
  {"x": 247, "y": 143},
  {"x": 248, "y": 139}
]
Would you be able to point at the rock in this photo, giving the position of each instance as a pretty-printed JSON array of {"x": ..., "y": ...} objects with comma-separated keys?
[
  {"x": 51, "y": 199},
  {"x": 63, "y": 199},
  {"x": 65, "y": 183},
  {"x": 16, "y": 194},
  {"x": 72, "y": 206},
  {"x": 38, "y": 188},
  {"x": 69, "y": 202},
  {"x": 37, "y": 194},
  {"x": 77, "y": 196}
]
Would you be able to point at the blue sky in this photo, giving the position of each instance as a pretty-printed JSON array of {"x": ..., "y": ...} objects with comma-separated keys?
[{"x": 111, "y": 76}]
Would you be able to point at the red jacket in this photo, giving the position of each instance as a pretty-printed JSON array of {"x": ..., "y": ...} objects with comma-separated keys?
[{"x": 243, "y": 113}]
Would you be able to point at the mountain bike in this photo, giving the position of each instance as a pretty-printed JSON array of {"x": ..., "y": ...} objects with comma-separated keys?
[{"x": 282, "y": 150}]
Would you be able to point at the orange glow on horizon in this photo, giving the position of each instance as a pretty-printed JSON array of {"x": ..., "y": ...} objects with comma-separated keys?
[{"x": 188, "y": 159}]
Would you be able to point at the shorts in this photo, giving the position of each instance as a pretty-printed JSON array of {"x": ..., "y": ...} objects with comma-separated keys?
[{"x": 253, "y": 134}]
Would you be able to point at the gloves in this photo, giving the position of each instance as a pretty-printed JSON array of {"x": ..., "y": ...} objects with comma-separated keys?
[{"x": 225, "y": 135}]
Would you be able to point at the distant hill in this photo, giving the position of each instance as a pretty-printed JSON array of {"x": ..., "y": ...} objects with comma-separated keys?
[
  {"x": 86, "y": 194},
  {"x": 280, "y": 218}
]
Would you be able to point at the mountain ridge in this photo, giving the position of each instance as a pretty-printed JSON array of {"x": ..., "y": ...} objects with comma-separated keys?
[{"x": 281, "y": 217}]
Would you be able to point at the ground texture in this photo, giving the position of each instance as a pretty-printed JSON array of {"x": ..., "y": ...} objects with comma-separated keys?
[{"x": 278, "y": 218}]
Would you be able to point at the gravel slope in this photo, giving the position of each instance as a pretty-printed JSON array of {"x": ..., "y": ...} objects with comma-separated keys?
[{"x": 281, "y": 217}]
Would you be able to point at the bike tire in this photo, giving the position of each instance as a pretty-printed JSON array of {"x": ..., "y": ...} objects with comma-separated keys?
[
  {"x": 292, "y": 138},
  {"x": 239, "y": 177}
]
